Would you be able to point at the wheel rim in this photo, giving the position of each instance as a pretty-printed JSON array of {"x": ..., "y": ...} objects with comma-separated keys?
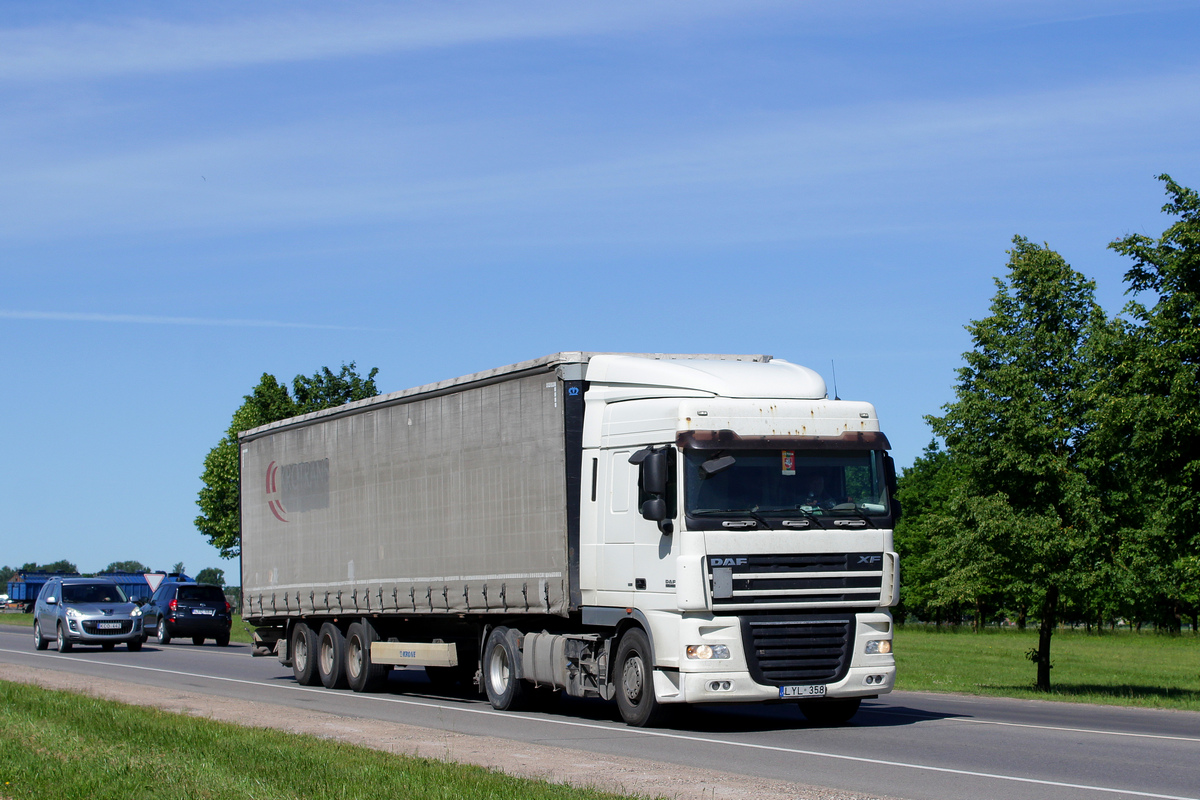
[
  {"x": 301, "y": 654},
  {"x": 37, "y": 632},
  {"x": 499, "y": 671},
  {"x": 160, "y": 632},
  {"x": 326, "y": 655},
  {"x": 62, "y": 639},
  {"x": 633, "y": 679},
  {"x": 354, "y": 653}
]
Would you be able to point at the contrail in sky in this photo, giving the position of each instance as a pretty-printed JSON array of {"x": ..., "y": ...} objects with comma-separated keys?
[{"x": 136, "y": 319}]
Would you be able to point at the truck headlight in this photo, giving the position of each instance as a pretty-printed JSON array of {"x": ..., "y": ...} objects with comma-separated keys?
[
  {"x": 707, "y": 651},
  {"x": 878, "y": 647}
]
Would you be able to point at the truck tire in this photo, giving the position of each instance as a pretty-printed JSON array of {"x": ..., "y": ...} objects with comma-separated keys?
[
  {"x": 331, "y": 656},
  {"x": 64, "y": 644},
  {"x": 830, "y": 712},
  {"x": 634, "y": 677},
  {"x": 304, "y": 655},
  {"x": 362, "y": 674},
  {"x": 39, "y": 642},
  {"x": 505, "y": 691}
]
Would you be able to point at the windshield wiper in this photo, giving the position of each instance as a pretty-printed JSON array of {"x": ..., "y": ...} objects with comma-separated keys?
[
  {"x": 753, "y": 514},
  {"x": 858, "y": 510}
]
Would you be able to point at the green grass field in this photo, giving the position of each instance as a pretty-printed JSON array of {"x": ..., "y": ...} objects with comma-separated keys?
[
  {"x": 63, "y": 745},
  {"x": 1123, "y": 668}
]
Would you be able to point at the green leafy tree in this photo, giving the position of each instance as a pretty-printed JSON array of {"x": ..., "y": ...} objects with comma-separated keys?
[
  {"x": 1150, "y": 421},
  {"x": 55, "y": 566},
  {"x": 270, "y": 401},
  {"x": 6, "y": 575},
  {"x": 126, "y": 566},
  {"x": 1016, "y": 429},
  {"x": 211, "y": 575}
]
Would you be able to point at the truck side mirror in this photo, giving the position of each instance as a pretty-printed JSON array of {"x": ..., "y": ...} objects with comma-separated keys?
[{"x": 655, "y": 472}]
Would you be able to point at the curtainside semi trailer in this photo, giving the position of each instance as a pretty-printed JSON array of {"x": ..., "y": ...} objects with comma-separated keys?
[{"x": 648, "y": 529}]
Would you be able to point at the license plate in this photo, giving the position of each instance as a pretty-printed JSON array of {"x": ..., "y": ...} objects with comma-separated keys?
[
  {"x": 788, "y": 692},
  {"x": 208, "y": 612},
  {"x": 108, "y": 625}
]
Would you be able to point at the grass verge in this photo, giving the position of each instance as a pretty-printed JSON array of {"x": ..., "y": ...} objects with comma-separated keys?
[
  {"x": 64, "y": 745},
  {"x": 1122, "y": 668}
]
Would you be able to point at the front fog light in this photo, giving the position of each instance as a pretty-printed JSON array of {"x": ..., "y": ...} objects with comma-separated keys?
[
  {"x": 878, "y": 647},
  {"x": 707, "y": 651}
]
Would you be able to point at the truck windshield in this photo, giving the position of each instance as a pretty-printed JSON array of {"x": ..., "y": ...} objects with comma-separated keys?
[{"x": 785, "y": 483}]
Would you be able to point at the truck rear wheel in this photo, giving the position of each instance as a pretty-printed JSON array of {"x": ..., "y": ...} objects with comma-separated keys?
[
  {"x": 505, "y": 690},
  {"x": 830, "y": 712},
  {"x": 304, "y": 655},
  {"x": 634, "y": 677},
  {"x": 362, "y": 674},
  {"x": 331, "y": 657}
]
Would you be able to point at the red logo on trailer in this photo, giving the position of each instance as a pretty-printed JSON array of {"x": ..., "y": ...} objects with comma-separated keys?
[{"x": 273, "y": 501}]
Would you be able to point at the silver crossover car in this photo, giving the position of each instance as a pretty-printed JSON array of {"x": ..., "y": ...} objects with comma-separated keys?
[{"x": 85, "y": 611}]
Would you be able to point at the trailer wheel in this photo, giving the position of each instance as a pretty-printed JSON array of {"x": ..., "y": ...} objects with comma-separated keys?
[
  {"x": 304, "y": 655},
  {"x": 38, "y": 641},
  {"x": 830, "y": 712},
  {"x": 634, "y": 677},
  {"x": 331, "y": 657},
  {"x": 362, "y": 674},
  {"x": 505, "y": 690}
]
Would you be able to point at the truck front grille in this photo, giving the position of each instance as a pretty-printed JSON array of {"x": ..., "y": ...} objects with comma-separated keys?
[
  {"x": 795, "y": 650},
  {"x": 759, "y": 582}
]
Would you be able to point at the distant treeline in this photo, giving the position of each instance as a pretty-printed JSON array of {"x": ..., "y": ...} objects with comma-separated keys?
[{"x": 1063, "y": 482}]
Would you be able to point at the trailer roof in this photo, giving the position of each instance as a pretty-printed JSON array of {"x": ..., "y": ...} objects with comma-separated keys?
[{"x": 544, "y": 364}]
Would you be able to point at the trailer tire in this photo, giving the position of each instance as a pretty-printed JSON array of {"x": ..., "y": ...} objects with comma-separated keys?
[
  {"x": 39, "y": 642},
  {"x": 634, "y": 677},
  {"x": 362, "y": 674},
  {"x": 830, "y": 712},
  {"x": 331, "y": 657},
  {"x": 304, "y": 655},
  {"x": 505, "y": 691}
]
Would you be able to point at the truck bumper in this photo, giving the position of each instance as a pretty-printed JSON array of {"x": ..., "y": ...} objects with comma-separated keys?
[{"x": 739, "y": 687}]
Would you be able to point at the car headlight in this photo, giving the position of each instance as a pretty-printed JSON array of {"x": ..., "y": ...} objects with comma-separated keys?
[
  {"x": 73, "y": 614},
  {"x": 707, "y": 651},
  {"x": 878, "y": 647},
  {"x": 136, "y": 612}
]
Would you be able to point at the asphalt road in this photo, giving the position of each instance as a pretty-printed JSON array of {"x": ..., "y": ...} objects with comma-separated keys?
[{"x": 906, "y": 744}]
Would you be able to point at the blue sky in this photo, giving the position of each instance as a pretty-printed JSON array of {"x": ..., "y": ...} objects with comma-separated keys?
[{"x": 195, "y": 194}]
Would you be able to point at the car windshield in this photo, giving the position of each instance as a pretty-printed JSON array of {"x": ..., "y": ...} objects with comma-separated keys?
[
  {"x": 785, "y": 483},
  {"x": 211, "y": 593},
  {"x": 92, "y": 593}
]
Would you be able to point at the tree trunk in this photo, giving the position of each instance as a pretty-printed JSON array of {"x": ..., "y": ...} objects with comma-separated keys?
[
  {"x": 978, "y": 614},
  {"x": 1195, "y": 622},
  {"x": 1045, "y": 631},
  {"x": 1022, "y": 617}
]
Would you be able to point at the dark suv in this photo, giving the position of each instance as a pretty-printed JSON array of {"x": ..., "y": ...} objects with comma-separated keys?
[{"x": 198, "y": 610}]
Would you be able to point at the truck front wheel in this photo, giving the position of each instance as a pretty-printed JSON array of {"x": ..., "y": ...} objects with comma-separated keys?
[
  {"x": 504, "y": 689},
  {"x": 634, "y": 677},
  {"x": 304, "y": 655},
  {"x": 331, "y": 657},
  {"x": 363, "y": 674}
]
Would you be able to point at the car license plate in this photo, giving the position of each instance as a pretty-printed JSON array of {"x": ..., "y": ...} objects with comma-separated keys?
[
  {"x": 108, "y": 625},
  {"x": 208, "y": 612},
  {"x": 788, "y": 692}
]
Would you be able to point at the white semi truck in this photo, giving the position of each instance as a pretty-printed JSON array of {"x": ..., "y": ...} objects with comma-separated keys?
[{"x": 649, "y": 529}]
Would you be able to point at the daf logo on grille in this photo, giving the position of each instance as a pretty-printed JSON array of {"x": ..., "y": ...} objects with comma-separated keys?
[{"x": 728, "y": 562}]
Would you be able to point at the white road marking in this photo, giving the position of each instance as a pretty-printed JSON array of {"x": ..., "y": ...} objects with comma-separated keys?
[
  {"x": 632, "y": 731},
  {"x": 973, "y": 721}
]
